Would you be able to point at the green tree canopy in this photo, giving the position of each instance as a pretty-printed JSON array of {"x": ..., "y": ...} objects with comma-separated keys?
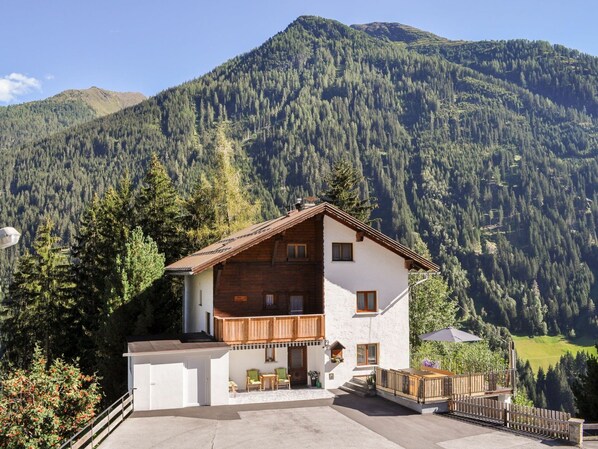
[
  {"x": 344, "y": 191},
  {"x": 41, "y": 406}
]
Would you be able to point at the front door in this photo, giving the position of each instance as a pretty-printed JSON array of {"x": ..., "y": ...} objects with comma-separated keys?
[
  {"x": 296, "y": 305},
  {"x": 298, "y": 365}
]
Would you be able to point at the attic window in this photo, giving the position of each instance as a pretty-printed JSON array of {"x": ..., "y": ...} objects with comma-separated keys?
[
  {"x": 342, "y": 251},
  {"x": 297, "y": 251}
]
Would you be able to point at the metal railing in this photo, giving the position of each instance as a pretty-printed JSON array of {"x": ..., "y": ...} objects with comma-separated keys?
[{"x": 102, "y": 425}]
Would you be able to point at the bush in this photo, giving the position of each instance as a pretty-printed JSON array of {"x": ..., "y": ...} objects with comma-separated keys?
[
  {"x": 42, "y": 406},
  {"x": 459, "y": 358}
]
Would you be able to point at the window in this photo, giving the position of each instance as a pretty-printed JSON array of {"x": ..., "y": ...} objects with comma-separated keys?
[
  {"x": 201, "y": 298},
  {"x": 367, "y": 354},
  {"x": 270, "y": 301},
  {"x": 367, "y": 302},
  {"x": 342, "y": 251},
  {"x": 296, "y": 251},
  {"x": 270, "y": 355},
  {"x": 208, "y": 322}
]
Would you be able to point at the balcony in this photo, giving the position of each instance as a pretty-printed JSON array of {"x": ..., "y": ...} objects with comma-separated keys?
[{"x": 269, "y": 329}]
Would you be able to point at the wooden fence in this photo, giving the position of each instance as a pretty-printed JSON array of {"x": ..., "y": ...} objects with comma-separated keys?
[
  {"x": 539, "y": 421},
  {"x": 102, "y": 425},
  {"x": 430, "y": 389}
]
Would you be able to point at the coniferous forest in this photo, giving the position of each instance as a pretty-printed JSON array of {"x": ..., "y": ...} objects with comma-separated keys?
[{"x": 486, "y": 151}]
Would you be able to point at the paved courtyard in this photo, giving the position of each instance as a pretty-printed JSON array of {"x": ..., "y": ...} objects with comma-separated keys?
[{"x": 346, "y": 421}]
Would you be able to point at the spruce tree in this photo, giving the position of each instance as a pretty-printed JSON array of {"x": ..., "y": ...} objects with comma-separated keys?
[
  {"x": 344, "y": 183},
  {"x": 586, "y": 391},
  {"x": 39, "y": 306},
  {"x": 159, "y": 212}
]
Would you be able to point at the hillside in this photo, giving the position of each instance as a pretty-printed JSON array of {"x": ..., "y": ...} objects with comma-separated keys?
[{"x": 498, "y": 176}]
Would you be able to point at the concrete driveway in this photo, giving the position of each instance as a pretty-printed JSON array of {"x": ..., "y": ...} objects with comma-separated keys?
[{"x": 345, "y": 422}]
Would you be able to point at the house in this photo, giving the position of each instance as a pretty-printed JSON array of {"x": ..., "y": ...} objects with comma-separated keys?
[{"x": 313, "y": 290}]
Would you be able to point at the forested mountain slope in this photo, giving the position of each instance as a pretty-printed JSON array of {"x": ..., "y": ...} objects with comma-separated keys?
[{"x": 499, "y": 177}]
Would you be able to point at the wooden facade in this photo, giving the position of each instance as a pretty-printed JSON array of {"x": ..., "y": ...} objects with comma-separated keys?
[{"x": 242, "y": 283}]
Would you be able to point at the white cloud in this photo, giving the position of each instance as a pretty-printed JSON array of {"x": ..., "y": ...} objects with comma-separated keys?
[
  {"x": 49, "y": 76},
  {"x": 15, "y": 85}
]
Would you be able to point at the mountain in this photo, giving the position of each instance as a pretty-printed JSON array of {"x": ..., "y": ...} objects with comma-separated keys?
[
  {"x": 37, "y": 119},
  {"x": 483, "y": 150}
]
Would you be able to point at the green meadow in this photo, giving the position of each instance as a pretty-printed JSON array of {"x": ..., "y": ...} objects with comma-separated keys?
[{"x": 544, "y": 351}]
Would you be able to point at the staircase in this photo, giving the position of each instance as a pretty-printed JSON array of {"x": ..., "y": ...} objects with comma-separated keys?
[{"x": 358, "y": 386}]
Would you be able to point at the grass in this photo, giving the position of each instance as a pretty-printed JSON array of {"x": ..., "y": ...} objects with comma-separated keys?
[{"x": 544, "y": 351}]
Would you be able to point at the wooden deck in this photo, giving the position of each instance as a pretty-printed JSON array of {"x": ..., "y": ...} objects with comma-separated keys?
[
  {"x": 269, "y": 329},
  {"x": 436, "y": 385}
]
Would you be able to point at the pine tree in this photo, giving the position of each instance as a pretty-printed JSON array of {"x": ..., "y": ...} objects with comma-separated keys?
[
  {"x": 39, "y": 307},
  {"x": 220, "y": 204},
  {"x": 344, "y": 183},
  {"x": 586, "y": 391},
  {"x": 159, "y": 212}
]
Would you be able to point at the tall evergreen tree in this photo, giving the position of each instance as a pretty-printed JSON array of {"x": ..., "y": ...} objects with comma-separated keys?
[
  {"x": 344, "y": 191},
  {"x": 586, "y": 391},
  {"x": 39, "y": 307},
  {"x": 159, "y": 212},
  {"x": 220, "y": 204}
]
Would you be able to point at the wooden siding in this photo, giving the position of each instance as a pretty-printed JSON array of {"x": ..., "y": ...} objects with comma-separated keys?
[
  {"x": 273, "y": 329},
  {"x": 264, "y": 268}
]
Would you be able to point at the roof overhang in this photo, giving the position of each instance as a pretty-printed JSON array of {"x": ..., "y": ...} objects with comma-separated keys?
[{"x": 228, "y": 247}]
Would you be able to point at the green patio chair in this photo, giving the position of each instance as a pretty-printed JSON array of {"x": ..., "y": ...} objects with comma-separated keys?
[
  {"x": 253, "y": 379},
  {"x": 282, "y": 378}
]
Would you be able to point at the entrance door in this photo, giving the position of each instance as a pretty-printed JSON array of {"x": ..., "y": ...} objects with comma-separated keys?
[
  {"x": 296, "y": 305},
  {"x": 298, "y": 365}
]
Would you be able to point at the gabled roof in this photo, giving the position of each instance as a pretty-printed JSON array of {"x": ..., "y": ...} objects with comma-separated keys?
[{"x": 240, "y": 241}]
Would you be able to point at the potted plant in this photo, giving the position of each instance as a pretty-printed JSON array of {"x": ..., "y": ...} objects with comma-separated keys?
[
  {"x": 336, "y": 359},
  {"x": 314, "y": 377},
  {"x": 371, "y": 381}
]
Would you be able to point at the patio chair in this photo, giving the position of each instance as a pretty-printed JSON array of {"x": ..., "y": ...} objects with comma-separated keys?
[
  {"x": 282, "y": 378},
  {"x": 253, "y": 379}
]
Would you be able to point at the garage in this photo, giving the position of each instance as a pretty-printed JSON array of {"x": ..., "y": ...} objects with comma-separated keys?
[{"x": 168, "y": 374}]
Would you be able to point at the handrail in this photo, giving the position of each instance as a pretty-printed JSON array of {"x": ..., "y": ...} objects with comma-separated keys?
[
  {"x": 101, "y": 425},
  {"x": 422, "y": 389},
  {"x": 269, "y": 328}
]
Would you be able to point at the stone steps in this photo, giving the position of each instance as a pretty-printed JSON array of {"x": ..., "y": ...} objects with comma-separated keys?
[{"x": 359, "y": 387}]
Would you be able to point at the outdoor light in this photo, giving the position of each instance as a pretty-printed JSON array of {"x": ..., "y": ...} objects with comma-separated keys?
[{"x": 8, "y": 237}]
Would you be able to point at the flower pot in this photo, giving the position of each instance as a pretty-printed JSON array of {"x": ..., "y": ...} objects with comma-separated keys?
[{"x": 313, "y": 382}]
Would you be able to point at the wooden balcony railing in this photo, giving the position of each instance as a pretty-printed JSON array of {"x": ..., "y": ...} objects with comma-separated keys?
[
  {"x": 429, "y": 389},
  {"x": 267, "y": 329}
]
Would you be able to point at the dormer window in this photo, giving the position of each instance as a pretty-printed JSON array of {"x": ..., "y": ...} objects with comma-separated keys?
[
  {"x": 342, "y": 252},
  {"x": 296, "y": 251}
]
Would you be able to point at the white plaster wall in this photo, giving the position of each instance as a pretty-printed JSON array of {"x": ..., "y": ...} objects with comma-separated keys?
[
  {"x": 163, "y": 381},
  {"x": 194, "y": 315},
  {"x": 242, "y": 360},
  {"x": 373, "y": 268},
  {"x": 315, "y": 361},
  {"x": 218, "y": 378}
]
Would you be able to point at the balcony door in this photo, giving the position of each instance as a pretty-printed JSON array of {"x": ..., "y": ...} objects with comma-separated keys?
[
  {"x": 296, "y": 304},
  {"x": 298, "y": 365}
]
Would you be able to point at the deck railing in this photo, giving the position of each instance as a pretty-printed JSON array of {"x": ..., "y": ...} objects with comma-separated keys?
[
  {"x": 102, "y": 425},
  {"x": 429, "y": 389},
  {"x": 266, "y": 329}
]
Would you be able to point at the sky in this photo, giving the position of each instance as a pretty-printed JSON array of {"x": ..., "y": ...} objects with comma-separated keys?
[{"x": 148, "y": 46}]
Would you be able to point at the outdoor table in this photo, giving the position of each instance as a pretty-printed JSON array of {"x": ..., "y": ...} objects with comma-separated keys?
[{"x": 270, "y": 377}]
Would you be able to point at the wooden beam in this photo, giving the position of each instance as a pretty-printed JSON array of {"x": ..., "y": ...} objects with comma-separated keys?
[
  {"x": 409, "y": 264},
  {"x": 359, "y": 236}
]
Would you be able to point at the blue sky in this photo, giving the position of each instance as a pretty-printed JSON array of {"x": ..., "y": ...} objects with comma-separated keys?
[{"x": 148, "y": 46}]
